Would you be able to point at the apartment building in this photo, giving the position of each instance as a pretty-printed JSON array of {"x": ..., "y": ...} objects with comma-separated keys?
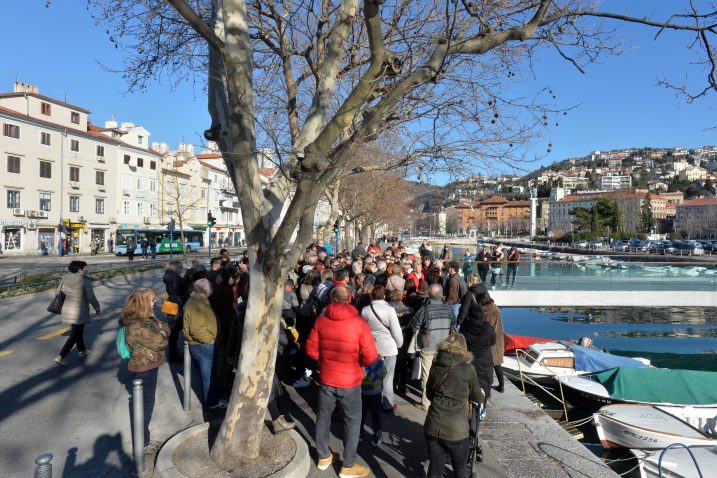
[
  {"x": 65, "y": 178},
  {"x": 222, "y": 201},
  {"x": 494, "y": 215},
  {"x": 58, "y": 172},
  {"x": 137, "y": 178},
  {"x": 615, "y": 181},
  {"x": 697, "y": 218}
]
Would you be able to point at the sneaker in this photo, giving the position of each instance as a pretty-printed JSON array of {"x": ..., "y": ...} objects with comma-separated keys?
[
  {"x": 301, "y": 383},
  {"x": 219, "y": 404},
  {"x": 325, "y": 463},
  {"x": 356, "y": 471},
  {"x": 281, "y": 425},
  {"x": 84, "y": 353},
  {"x": 377, "y": 439},
  {"x": 60, "y": 361}
]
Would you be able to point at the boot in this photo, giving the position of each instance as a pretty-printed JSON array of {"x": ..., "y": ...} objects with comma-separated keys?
[{"x": 281, "y": 425}]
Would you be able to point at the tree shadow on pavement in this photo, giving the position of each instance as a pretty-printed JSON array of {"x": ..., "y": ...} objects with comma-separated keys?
[{"x": 108, "y": 460}]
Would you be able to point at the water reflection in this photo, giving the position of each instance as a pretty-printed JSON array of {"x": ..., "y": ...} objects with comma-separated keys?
[{"x": 634, "y": 315}]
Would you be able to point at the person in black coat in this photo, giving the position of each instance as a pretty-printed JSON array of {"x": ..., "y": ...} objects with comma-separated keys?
[
  {"x": 480, "y": 336},
  {"x": 176, "y": 292}
]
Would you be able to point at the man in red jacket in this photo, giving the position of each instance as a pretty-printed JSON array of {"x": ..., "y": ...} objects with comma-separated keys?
[{"x": 341, "y": 341}]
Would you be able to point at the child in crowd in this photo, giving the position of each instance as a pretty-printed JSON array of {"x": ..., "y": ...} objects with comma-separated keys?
[
  {"x": 290, "y": 306},
  {"x": 371, "y": 389}
]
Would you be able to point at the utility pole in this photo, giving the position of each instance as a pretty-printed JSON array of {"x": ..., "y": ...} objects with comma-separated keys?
[{"x": 171, "y": 237}]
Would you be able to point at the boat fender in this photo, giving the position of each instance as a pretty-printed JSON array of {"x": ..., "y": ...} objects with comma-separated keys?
[{"x": 585, "y": 342}]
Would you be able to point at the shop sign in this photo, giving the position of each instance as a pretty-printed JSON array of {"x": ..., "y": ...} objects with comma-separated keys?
[{"x": 18, "y": 223}]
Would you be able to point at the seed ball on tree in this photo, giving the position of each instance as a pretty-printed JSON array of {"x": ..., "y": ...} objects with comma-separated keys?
[
  {"x": 492, "y": 121},
  {"x": 495, "y": 115}
]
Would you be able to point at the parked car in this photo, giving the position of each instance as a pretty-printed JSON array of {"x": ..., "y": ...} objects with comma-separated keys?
[
  {"x": 666, "y": 247},
  {"x": 581, "y": 244},
  {"x": 620, "y": 246},
  {"x": 595, "y": 244},
  {"x": 687, "y": 248}
]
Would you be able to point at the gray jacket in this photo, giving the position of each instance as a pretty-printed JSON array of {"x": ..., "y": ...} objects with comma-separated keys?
[
  {"x": 438, "y": 318},
  {"x": 78, "y": 297},
  {"x": 385, "y": 328}
]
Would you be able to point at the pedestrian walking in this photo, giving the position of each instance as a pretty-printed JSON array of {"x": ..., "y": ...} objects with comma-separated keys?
[
  {"x": 342, "y": 343},
  {"x": 146, "y": 337},
  {"x": 434, "y": 320},
  {"x": 513, "y": 261},
  {"x": 200, "y": 330},
  {"x": 153, "y": 248},
  {"x": 79, "y": 294},
  {"x": 94, "y": 246},
  {"x": 452, "y": 384},
  {"x": 110, "y": 245},
  {"x": 386, "y": 331},
  {"x": 131, "y": 246},
  {"x": 145, "y": 248}
]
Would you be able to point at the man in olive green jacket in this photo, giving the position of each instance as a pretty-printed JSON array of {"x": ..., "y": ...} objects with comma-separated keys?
[
  {"x": 452, "y": 383},
  {"x": 200, "y": 330}
]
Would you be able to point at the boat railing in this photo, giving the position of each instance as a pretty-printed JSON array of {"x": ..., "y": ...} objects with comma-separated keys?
[
  {"x": 524, "y": 378},
  {"x": 678, "y": 445}
]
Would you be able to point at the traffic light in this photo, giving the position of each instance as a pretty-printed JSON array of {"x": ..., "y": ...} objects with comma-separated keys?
[
  {"x": 211, "y": 220},
  {"x": 336, "y": 228}
]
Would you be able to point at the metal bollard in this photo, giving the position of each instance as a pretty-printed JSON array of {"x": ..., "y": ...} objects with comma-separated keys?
[
  {"x": 138, "y": 423},
  {"x": 187, "y": 378},
  {"x": 44, "y": 467}
]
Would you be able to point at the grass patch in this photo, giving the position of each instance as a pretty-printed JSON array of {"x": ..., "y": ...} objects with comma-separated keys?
[{"x": 34, "y": 283}]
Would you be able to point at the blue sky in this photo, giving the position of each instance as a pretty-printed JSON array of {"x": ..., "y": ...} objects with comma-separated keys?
[{"x": 59, "y": 49}]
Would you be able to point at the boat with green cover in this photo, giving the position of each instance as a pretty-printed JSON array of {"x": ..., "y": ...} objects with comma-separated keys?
[{"x": 651, "y": 386}]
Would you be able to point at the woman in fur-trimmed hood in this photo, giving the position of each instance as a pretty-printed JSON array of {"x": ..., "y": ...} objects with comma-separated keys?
[{"x": 451, "y": 384}]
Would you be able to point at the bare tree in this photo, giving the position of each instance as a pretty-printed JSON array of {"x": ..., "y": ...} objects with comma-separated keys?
[
  {"x": 341, "y": 73},
  {"x": 180, "y": 200}
]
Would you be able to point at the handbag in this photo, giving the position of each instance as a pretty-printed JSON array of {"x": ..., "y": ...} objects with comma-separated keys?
[
  {"x": 170, "y": 308},
  {"x": 123, "y": 349},
  {"x": 416, "y": 368},
  {"x": 55, "y": 306},
  {"x": 423, "y": 339}
]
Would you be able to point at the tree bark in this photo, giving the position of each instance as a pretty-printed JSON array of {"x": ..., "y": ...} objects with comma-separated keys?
[{"x": 238, "y": 438}]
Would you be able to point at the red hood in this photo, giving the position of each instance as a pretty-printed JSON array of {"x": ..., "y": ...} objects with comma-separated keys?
[{"x": 340, "y": 311}]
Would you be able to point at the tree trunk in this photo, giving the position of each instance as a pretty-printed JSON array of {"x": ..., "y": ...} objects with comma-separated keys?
[{"x": 253, "y": 380}]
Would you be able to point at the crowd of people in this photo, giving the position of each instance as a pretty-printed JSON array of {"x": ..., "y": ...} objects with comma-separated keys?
[{"x": 361, "y": 325}]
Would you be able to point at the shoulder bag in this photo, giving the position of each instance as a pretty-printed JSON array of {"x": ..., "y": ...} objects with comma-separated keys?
[
  {"x": 170, "y": 308},
  {"x": 423, "y": 340},
  {"x": 55, "y": 306},
  {"x": 123, "y": 349},
  {"x": 379, "y": 318}
]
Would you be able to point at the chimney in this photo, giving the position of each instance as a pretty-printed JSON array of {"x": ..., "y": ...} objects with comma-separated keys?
[
  {"x": 21, "y": 87},
  {"x": 111, "y": 124}
]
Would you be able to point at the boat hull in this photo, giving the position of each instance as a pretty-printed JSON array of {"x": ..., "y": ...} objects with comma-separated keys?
[{"x": 644, "y": 427}]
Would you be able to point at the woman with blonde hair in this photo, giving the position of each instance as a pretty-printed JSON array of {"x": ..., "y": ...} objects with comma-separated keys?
[{"x": 147, "y": 338}]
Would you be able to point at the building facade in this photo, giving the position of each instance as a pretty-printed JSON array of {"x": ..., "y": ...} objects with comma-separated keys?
[
  {"x": 58, "y": 175},
  {"x": 697, "y": 218}
]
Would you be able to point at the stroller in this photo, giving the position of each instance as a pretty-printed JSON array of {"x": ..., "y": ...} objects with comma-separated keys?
[{"x": 475, "y": 452}]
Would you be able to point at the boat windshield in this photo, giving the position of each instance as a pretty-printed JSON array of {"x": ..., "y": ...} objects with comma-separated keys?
[{"x": 532, "y": 356}]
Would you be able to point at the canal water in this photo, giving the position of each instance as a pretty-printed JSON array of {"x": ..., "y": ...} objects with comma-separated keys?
[{"x": 669, "y": 337}]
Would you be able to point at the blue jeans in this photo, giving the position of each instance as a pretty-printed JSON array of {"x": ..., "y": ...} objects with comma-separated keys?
[
  {"x": 203, "y": 354},
  {"x": 372, "y": 405},
  {"x": 149, "y": 386},
  {"x": 455, "y": 308},
  {"x": 512, "y": 270}
]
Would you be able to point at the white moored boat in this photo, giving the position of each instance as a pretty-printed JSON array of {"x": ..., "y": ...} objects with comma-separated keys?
[
  {"x": 654, "y": 427},
  {"x": 542, "y": 362},
  {"x": 677, "y": 462}
]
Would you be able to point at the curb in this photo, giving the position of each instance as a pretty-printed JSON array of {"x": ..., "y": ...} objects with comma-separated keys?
[{"x": 298, "y": 467}]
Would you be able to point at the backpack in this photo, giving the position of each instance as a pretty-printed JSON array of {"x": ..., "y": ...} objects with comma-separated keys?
[
  {"x": 310, "y": 307},
  {"x": 124, "y": 351}
]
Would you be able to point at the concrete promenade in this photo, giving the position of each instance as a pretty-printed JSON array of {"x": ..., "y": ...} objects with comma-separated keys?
[
  {"x": 519, "y": 441},
  {"x": 80, "y": 413}
]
